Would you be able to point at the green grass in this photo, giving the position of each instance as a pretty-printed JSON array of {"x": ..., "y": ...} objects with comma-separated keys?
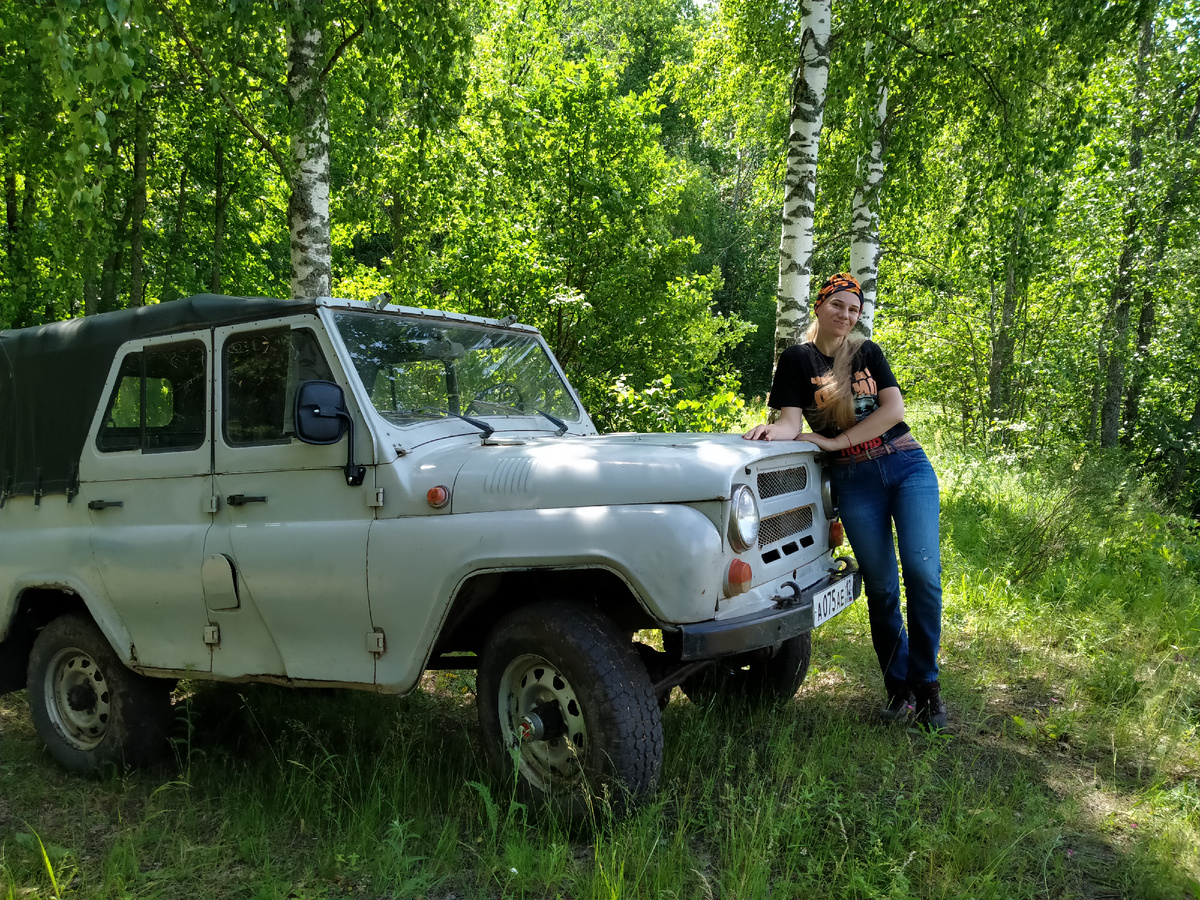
[{"x": 1070, "y": 660}]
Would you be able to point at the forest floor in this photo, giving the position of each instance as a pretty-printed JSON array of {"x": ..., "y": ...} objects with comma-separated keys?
[{"x": 1071, "y": 768}]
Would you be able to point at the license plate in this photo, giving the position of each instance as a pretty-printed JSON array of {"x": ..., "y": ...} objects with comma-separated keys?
[{"x": 831, "y": 601}]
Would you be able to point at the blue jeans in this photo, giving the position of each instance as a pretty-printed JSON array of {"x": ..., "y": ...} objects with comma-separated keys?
[{"x": 900, "y": 488}]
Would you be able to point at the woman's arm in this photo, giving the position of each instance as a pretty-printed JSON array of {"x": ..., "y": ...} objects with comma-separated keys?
[
  {"x": 791, "y": 422},
  {"x": 889, "y": 412}
]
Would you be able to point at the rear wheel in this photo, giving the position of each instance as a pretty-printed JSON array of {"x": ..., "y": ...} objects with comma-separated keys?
[
  {"x": 772, "y": 675},
  {"x": 87, "y": 707},
  {"x": 567, "y": 707}
]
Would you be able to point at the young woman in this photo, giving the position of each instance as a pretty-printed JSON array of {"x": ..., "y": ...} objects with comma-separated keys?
[{"x": 842, "y": 385}]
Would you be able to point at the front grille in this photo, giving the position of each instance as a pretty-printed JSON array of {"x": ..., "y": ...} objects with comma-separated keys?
[
  {"x": 774, "y": 529},
  {"x": 782, "y": 481}
]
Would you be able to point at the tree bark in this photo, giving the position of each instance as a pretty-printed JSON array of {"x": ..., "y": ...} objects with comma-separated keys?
[
  {"x": 308, "y": 207},
  {"x": 865, "y": 248},
  {"x": 20, "y": 275},
  {"x": 1178, "y": 459},
  {"x": 800, "y": 182},
  {"x": 169, "y": 291},
  {"x": 91, "y": 290},
  {"x": 1122, "y": 291},
  {"x": 1003, "y": 342},
  {"x": 1137, "y": 381},
  {"x": 1146, "y": 320},
  {"x": 138, "y": 211},
  {"x": 110, "y": 272}
]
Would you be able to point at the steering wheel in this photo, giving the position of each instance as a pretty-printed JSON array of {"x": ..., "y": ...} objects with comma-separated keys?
[{"x": 502, "y": 393}]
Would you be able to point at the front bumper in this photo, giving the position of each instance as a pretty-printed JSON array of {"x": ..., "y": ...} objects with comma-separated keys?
[{"x": 790, "y": 617}]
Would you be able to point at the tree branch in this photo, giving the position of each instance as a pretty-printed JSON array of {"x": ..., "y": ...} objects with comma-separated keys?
[
  {"x": 987, "y": 79},
  {"x": 1190, "y": 128},
  {"x": 341, "y": 48},
  {"x": 199, "y": 58}
]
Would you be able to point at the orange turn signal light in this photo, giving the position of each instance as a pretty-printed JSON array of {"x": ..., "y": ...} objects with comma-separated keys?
[
  {"x": 739, "y": 577},
  {"x": 837, "y": 534},
  {"x": 438, "y": 496}
]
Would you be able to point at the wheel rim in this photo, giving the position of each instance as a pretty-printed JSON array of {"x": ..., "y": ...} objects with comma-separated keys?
[
  {"x": 77, "y": 698},
  {"x": 529, "y": 682}
]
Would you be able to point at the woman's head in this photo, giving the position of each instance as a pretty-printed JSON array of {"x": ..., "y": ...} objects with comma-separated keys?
[
  {"x": 836, "y": 309},
  {"x": 835, "y": 312},
  {"x": 842, "y": 282}
]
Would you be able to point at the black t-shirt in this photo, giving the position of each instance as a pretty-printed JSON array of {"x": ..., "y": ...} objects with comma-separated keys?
[{"x": 803, "y": 370}]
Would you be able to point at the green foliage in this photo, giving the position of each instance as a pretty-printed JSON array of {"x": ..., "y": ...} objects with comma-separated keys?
[
  {"x": 563, "y": 216},
  {"x": 611, "y": 173},
  {"x": 662, "y": 407}
]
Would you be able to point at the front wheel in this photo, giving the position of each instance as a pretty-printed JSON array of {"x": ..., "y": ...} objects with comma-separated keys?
[
  {"x": 769, "y": 676},
  {"x": 567, "y": 707},
  {"x": 87, "y": 707}
]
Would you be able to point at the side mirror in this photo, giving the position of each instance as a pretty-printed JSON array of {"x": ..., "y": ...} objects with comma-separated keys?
[{"x": 321, "y": 418}]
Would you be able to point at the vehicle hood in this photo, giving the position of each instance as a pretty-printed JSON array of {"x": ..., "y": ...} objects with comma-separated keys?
[{"x": 601, "y": 470}]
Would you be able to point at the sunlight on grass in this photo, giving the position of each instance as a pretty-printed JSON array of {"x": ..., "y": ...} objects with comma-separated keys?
[{"x": 1070, "y": 663}]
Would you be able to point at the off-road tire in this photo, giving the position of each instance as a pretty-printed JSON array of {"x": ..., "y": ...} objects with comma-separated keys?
[
  {"x": 571, "y": 656},
  {"x": 772, "y": 680},
  {"x": 87, "y": 707}
]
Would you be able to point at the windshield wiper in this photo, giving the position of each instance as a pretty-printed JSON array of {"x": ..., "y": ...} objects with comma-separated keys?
[
  {"x": 562, "y": 426},
  {"x": 487, "y": 429}
]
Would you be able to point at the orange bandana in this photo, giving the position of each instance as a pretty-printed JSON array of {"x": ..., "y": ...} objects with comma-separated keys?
[{"x": 842, "y": 281}]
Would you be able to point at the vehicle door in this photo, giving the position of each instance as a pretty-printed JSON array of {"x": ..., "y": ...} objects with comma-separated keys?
[
  {"x": 294, "y": 532},
  {"x": 145, "y": 476}
]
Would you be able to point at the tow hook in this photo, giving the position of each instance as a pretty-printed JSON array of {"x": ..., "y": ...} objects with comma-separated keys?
[
  {"x": 784, "y": 602},
  {"x": 542, "y": 723}
]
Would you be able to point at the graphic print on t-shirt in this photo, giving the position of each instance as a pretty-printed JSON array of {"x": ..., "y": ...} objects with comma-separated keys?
[
  {"x": 863, "y": 387},
  {"x": 866, "y": 394}
]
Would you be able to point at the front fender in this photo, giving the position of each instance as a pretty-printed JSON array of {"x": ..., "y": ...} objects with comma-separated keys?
[{"x": 669, "y": 554}]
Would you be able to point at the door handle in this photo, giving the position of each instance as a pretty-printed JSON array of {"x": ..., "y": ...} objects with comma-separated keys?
[
  {"x": 105, "y": 504},
  {"x": 243, "y": 499}
]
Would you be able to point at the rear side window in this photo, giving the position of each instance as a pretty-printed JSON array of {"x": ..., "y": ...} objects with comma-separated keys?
[
  {"x": 263, "y": 369},
  {"x": 158, "y": 402}
]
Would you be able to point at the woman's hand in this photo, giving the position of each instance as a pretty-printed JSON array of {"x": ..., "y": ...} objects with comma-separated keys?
[
  {"x": 777, "y": 432},
  {"x": 790, "y": 423}
]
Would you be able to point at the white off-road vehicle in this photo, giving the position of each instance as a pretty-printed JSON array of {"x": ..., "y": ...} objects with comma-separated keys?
[{"x": 337, "y": 493}]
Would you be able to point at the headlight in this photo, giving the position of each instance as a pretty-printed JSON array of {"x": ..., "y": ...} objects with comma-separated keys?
[
  {"x": 743, "y": 519},
  {"x": 827, "y": 493}
]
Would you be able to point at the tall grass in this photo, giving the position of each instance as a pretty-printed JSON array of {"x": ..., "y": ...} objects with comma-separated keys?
[{"x": 1072, "y": 637}]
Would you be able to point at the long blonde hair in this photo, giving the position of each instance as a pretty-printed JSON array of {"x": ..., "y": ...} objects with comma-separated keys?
[{"x": 838, "y": 409}]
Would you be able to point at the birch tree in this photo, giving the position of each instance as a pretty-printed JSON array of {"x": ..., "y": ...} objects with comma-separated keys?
[
  {"x": 308, "y": 207},
  {"x": 809, "y": 81},
  {"x": 865, "y": 248},
  {"x": 237, "y": 52},
  {"x": 1116, "y": 337}
]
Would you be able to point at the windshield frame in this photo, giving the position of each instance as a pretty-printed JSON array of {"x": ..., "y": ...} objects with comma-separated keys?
[{"x": 527, "y": 418}]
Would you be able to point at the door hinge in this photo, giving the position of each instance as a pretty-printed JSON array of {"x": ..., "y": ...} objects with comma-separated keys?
[
  {"x": 214, "y": 503},
  {"x": 378, "y": 498},
  {"x": 212, "y": 635},
  {"x": 376, "y": 643}
]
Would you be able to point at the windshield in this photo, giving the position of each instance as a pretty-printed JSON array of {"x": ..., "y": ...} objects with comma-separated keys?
[{"x": 416, "y": 370}]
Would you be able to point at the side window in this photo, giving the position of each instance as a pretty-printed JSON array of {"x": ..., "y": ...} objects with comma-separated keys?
[
  {"x": 158, "y": 402},
  {"x": 262, "y": 371}
]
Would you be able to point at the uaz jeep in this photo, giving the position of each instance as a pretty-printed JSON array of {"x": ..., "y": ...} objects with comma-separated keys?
[{"x": 337, "y": 493}]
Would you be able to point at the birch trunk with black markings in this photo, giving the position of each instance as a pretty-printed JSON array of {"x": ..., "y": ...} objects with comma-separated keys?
[
  {"x": 800, "y": 182},
  {"x": 308, "y": 208},
  {"x": 865, "y": 248}
]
